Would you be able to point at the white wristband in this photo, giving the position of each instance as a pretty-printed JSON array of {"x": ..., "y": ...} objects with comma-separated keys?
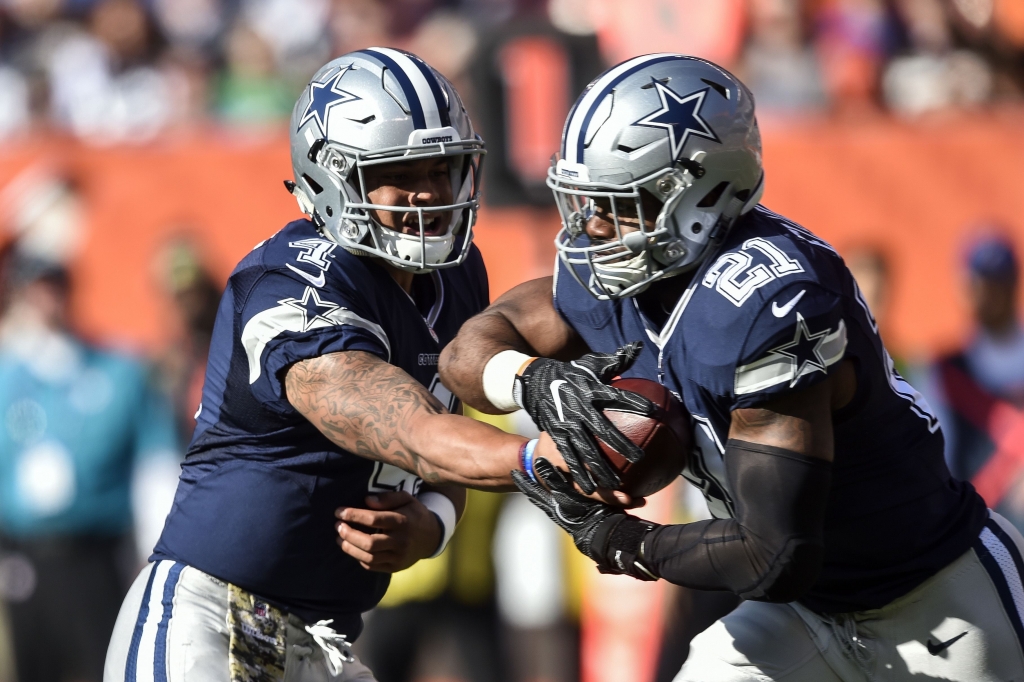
[
  {"x": 445, "y": 511},
  {"x": 499, "y": 378}
]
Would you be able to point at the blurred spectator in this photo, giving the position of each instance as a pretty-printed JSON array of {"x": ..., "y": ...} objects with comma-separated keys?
[
  {"x": 871, "y": 269},
  {"x": 448, "y": 42},
  {"x": 295, "y": 31},
  {"x": 194, "y": 25},
  {"x": 933, "y": 74},
  {"x": 525, "y": 77},
  {"x": 779, "y": 66},
  {"x": 438, "y": 619},
  {"x": 250, "y": 91},
  {"x": 979, "y": 390},
  {"x": 187, "y": 73},
  {"x": 529, "y": 558},
  {"x": 78, "y": 420},
  {"x": 538, "y": 597},
  {"x": 850, "y": 38},
  {"x": 628, "y": 28},
  {"x": 357, "y": 24},
  {"x": 124, "y": 70},
  {"x": 15, "y": 114},
  {"x": 102, "y": 82},
  {"x": 195, "y": 296}
]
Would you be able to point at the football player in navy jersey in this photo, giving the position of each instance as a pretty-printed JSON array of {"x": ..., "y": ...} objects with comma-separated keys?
[
  {"x": 325, "y": 447},
  {"x": 835, "y": 517}
]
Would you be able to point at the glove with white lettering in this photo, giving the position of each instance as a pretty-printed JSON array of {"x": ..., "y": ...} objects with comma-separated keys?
[
  {"x": 606, "y": 534},
  {"x": 566, "y": 399}
]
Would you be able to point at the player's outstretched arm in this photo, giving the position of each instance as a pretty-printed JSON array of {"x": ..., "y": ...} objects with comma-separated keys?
[
  {"x": 493, "y": 365},
  {"x": 378, "y": 411},
  {"x": 524, "y": 319}
]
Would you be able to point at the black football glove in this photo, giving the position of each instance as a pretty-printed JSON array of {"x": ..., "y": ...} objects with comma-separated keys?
[
  {"x": 604, "y": 533},
  {"x": 566, "y": 398}
]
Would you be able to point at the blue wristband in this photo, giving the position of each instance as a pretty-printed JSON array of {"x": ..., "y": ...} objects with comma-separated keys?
[{"x": 526, "y": 458}]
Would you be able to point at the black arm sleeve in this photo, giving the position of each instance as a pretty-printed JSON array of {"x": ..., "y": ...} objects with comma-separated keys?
[{"x": 771, "y": 551}]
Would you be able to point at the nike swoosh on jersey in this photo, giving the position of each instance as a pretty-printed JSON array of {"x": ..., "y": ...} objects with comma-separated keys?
[
  {"x": 555, "y": 385},
  {"x": 315, "y": 281},
  {"x": 784, "y": 310},
  {"x": 936, "y": 649}
]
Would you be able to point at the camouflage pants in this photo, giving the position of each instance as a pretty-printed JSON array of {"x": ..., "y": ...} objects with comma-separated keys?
[{"x": 178, "y": 624}]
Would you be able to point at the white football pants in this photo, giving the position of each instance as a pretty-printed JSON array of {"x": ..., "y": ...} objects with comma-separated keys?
[
  {"x": 174, "y": 627},
  {"x": 964, "y": 624}
]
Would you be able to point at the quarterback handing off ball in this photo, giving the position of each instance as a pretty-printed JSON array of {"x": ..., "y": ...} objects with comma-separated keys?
[{"x": 664, "y": 438}]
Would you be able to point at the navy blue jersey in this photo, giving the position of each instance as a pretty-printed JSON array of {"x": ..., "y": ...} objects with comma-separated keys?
[
  {"x": 259, "y": 486},
  {"x": 774, "y": 309}
]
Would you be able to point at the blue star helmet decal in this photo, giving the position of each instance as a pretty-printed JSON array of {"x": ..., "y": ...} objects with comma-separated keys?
[
  {"x": 680, "y": 116},
  {"x": 323, "y": 95}
]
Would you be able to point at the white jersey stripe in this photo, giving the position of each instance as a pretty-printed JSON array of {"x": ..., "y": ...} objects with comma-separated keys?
[
  {"x": 424, "y": 93},
  {"x": 778, "y": 369},
  {"x": 266, "y": 326}
]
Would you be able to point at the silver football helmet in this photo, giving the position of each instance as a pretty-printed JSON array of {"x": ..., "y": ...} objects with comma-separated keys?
[
  {"x": 678, "y": 128},
  {"x": 381, "y": 106}
]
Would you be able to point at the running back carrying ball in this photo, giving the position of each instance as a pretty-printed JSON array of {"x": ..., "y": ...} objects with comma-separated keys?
[{"x": 663, "y": 436}]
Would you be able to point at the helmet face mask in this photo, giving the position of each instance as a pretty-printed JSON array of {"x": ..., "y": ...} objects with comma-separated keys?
[
  {"x": 380, "y": 107},
  {"x": 673, "y": 128}
]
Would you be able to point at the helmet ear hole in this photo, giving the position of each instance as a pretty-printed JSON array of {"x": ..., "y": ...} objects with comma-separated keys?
[
  {"x": 312, "y": 184},
  {"x": 711, "y": 198}
]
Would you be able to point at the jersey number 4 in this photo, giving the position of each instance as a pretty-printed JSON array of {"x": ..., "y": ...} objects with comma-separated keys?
[{"x": 734, "y": 276}]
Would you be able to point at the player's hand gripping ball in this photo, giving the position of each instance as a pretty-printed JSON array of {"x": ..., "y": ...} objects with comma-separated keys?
[
  {"x": 566, "y": 400},
  {"x": 664, "y": 436}
]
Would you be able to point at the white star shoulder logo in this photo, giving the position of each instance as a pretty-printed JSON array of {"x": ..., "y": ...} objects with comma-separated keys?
[
  {"x": 804, "y": 350},
  {"x": 310, "y": 306}
]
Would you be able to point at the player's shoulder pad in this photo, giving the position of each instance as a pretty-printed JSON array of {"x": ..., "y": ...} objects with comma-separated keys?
[
  {"x": 765, "y": 253},
  {"x": 792, "y": 342},
  {"x": 298, "y": 258},
  {"x": 766, "y": 314}
]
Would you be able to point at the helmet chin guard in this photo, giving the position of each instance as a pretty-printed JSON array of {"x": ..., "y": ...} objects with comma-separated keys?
[
  {"x": 374, "y": 107},
  {"x": 676, "y": 130}
]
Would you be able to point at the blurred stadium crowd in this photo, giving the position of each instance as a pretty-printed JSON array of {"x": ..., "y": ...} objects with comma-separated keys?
[
  {"x": 126, "y": 70},
  {"x": 113, "y": 72}
]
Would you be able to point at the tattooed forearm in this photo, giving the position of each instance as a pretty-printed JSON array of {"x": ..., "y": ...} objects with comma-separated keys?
[
  {"x": 376, "y": 410},
  {"x": 362, "y": 404}
]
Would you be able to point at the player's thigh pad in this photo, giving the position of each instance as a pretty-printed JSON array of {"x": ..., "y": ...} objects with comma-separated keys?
[
  {"x": 970, "y": 614},
  {"x": 757, "y": 642},
  {"x": 172, "y": 627},
  {"x": 960, "y": 625}
]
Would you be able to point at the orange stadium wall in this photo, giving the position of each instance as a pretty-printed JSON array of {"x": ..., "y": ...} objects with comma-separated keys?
[{"x": 911, "y": 190}]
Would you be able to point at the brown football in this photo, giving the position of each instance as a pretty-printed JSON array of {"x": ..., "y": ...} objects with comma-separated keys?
[{"x": 664, "y": 437}]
